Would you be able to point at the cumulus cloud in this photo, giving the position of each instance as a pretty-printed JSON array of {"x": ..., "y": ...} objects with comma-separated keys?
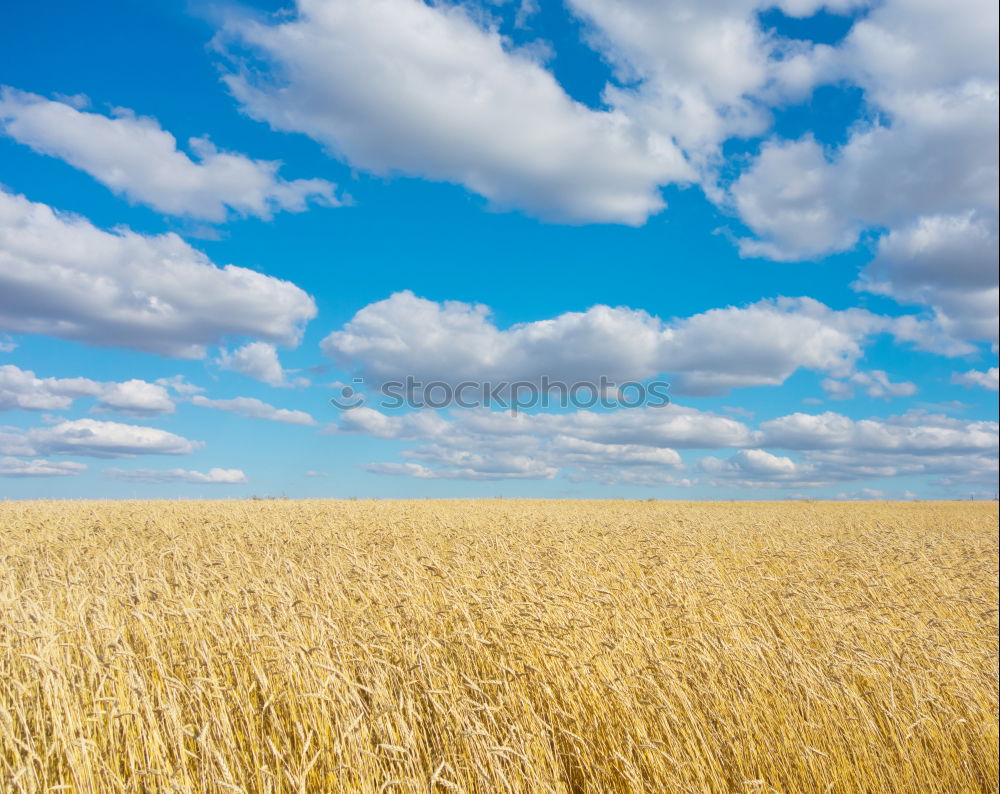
[
  {"x": 211, "y": 477},
  {"x": 787, "y": 198},
  {"x": 253, "y": 408},
  {"x": 17, "y": 467},
  {"x": 22, "y": 389},
  {"x": 816, "y": 469},
  {"x": 752, "y": 461},
  {"x": 803, "y": 201},
  {"x": 668, "y": 426},
  {"x": 924, "y": 166},
  {"x": 435, "y": 90},
  {"x": 757, "y": 468},
  {"x": 135, "y": 397},
  {"x": 949, "y": 471},
  {"x": 870, "y": 494},
  {"x": 709, "y": 353},
  {"x": 62, "y": 276},
  {"x": 875, "y": 384},
  {"x": 259, "y": 360},
  {"x": 641, "y": 447},
  {"x": 929, "y": 74},
  {"x": 928, "y": 333},
  {"x": 135, "y": 157},
  {"x": 92, "y": 438},
  {"x": 470, "y": 466},
  {"x": 699, "y": 72},
  {"x": 945, "y": 262},
  {"x": 638, "y": 445},
  {"x": 990, "y": 379},
  {"x": 426, "y": 90},
  {"x": 920, "y": 162},
  {"x": 179, "y": 385},
  {"x": 913, "y": 432}
]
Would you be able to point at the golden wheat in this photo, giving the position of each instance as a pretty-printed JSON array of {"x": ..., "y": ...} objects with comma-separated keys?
[{"x": 498, "y": 646}]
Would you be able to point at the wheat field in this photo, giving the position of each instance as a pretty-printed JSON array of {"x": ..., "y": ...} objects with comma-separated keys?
[{"x": 498, "y": 646}]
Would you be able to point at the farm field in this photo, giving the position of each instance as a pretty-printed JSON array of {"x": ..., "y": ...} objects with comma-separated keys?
[{"x": 498, "y": 646}]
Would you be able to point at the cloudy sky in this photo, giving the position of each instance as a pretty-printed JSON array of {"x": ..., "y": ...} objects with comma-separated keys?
[{"x": 214, "y": 216}]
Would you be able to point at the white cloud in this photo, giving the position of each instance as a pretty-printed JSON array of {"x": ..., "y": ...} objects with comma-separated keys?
[
  {"x": 15, "y": 467},
  {"x": 907, "y": 47},
  {"x": 752, "y": 461},
  {"x": 668, "y": 426},
  {"x": 406, "y": 86},
  {"x": 835, "y": 390},
  {"x": 803, "y": 202},
  {"x": 406, "y": 469},
  {"x": 924, "y": 166},
  {"x": 21, "y": 389},
  {"x": 434, "y": 90},
  {"x": 636, "y": 445},
  {"x": 418, "y": 424},
  {"x": 93, "y": 438},
  {"x": 7, "y": 345},
  {"x": 946, "y": 262},
  {"x": 526, "y": 9},
  {"x": 990, "y": 379},
  {"x": 710, "y": 353},
  {"x": 133, "y": 156},
  {"x": 699, "y": 72},
  {"x": 929, "y": 74},
  {"x": 758, "y": 469},
  {"x": 834, "y": 448},
  {"x": 788, "y": 198},
  {"x": 469, "y": 466},
  {"x": 259, "y": 360},
  {"x": 766, "y": 342},
  {"x": 211, "y": 477},
  {"x": 950, "y": 470},
  {"x": 426, "y": 89},
  {"x": 61, "y": 276},
  {"x": 875, "y": 384},
  {"x": 928, "y": 333},
  {"x": 593, "y": 453},
  {"x": 640, "y": 447},
  {"x": 135, "y": 397},
  {"x": 253, "y": 408},
  {"x": 869, "y": 494},
  {"x": 913, "y": 432},
  {"x": 179, "y": 385}
]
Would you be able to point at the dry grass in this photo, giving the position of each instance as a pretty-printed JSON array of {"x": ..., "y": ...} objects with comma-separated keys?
[{"x": 497, "y": 646}]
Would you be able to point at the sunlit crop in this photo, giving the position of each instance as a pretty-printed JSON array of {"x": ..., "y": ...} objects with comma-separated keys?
[{"x": 498, "y": 646}]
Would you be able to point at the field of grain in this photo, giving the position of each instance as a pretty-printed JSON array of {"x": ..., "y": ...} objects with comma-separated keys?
[{"x": 498, "y": 646}]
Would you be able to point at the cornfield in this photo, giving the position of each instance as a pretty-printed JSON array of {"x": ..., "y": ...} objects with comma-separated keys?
[{"x": 498, "y": 646}]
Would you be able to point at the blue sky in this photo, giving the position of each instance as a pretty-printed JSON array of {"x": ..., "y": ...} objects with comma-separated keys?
[{"x": 213, "y": 215}]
